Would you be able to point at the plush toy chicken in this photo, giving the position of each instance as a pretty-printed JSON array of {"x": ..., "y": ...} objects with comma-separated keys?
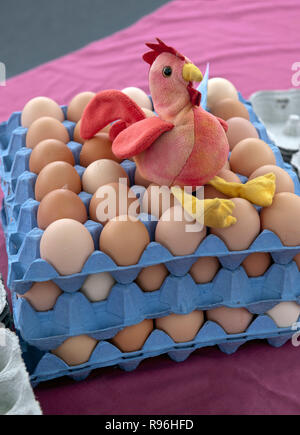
[{"x": 184, "y": 145}]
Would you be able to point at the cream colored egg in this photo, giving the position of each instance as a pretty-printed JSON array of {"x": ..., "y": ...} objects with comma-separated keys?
[
  {"x": 285, "y": 314},
  {"x": 218, "y": 89},
  {"x": 102, "y": 172},
  {"x": 181, "y": 327},
  {"x": 39, "y": 107},
  {"x": 97, "y": 287},
  {"x": 75, "y": 351},
  {"x": 78, "y": 104},
  {"x": 139, "y": 97}
]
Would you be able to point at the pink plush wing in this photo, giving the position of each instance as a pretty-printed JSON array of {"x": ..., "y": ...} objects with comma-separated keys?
[
  {"x": 139, "y": 136},
  {"x": 223, "y": 123}
]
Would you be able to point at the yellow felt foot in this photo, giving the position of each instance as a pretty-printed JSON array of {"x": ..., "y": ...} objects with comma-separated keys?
[
  {"x": 215, "y": 213},
  {"x": 260, "y": 191}
]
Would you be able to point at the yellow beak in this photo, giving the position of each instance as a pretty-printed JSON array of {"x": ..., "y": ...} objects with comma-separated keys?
[{"x": 191, "y": 73}]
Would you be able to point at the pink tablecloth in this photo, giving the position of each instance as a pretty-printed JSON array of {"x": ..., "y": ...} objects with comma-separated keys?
[{"x": 254, "y": 44}]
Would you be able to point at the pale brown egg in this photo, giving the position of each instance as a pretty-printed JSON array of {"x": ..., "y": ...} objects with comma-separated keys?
[
  {"x": 57, "y": 175},
  {"x": 66, "y": 244},
  {"x": 175, "y": 234},
  {"x": 78, "y": 138},
  {"x": 46, "y": 128},
  {"x": 124, "y": 240},
  {"x": 238, "y": 130},
  {"x": 249, "y": 155},
  {"x": 204, "y": 269},
  {"x": 218, "y": 89},
  {"x": 111, "y": 200},
  {"x": 75, "y": 351},
  {"x": 157, "y": 199},
  {"x": 151, "y": 278},
  {"x": 283, "y": 218},
  {"x": 97, "y": 286},
  {"x": 284, "y": 182},
  {"x": 39, "y": 107},
  {"x": 78, "y": 104},
  {"x": 229, "y": 108},
  {"x": 140, "y": 180},
  {"x": 102, "y": 172},
  {"x": 257, "y": 263},
  {"x": 48, "y": 151},
  {"x": 97, "y": 148},
  {"x": 210, "y": 192},
  {"x": 232, "y": 320},
  {"x": 139, "y": 97},
  {"x": 240, "y": 235},
  {"x": 132, "y": 338},
  {"x": 181, "y": 327},
  {"x": 285, "y": 314},
  {"x": 43, "y": 295},
  {"x": 60, "y": 204}
]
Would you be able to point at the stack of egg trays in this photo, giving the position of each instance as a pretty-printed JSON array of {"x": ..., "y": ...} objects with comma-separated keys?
[{"x": 127, "y": 304}]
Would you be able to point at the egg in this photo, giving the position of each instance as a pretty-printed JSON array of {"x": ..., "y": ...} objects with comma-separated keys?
[
  {"x": 112, "y": 200},
  {"x": 102, "y": 172},
  {"x": 97, "y": 287},
  {"x": 218, "y": 89},
  {"x": 297, "y": 260},
  {"x": 285, "y": 314},
  {"x": 46, "y": 128},
  {"x": 284, "y": 182},
  {"x": 239, "y": 129},
  {"x": 157, "y": 199},
  {"x": 151, "y": 278},
  {"x": 230, "y": 108},
  {"x": 232, "y": 320},
  {"x": 204, "y": 269},
  {"x": 132, "y": 338},
  {"x": 97, "y": 148},
  {"x": 57, "y": 175},
  {"x": 79, "y": 139},
  {"x": 124, "y": 240},
  {"x": 139, "y": 97},
  {"x": 174, "y": 234},
  {"x": 249, "y": 155},
  {"x": 257, "y": 263},
  {"x": 78, "y": 104},
  {"x": 48, "y": 151},
  {"x": 60, "y": 204},
  {"x": 181, "y": 327},
  {"x": 66, "y": 244},
  {"x": 39, "y": 107},
  {"x": 283, "y": 218},
  {"x": 75, "y": 351},
  {"x": 140, "y": 180},
  {"x": 240, "y": 235},
  {"x": 210, "y": 192},
  {"x": 148, "y": 113},
  {"x": 42, "y": 296}
]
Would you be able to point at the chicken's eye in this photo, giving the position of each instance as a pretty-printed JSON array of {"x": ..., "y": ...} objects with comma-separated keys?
[{"x": 167, "y": 71}]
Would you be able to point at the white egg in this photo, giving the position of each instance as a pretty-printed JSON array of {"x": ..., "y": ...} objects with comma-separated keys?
[{"x": 98, "y": 286}]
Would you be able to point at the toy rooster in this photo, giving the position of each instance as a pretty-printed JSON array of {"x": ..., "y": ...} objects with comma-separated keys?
[{"x": 183, "y": 146}]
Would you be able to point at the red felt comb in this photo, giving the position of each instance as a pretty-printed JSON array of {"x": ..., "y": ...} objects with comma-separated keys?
[{"x": 157, "y": 49}]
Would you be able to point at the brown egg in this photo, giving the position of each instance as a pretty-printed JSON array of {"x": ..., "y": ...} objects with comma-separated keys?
[
  {"x": 132, "y": 338},
  {"x": 140, "y": 180},
  {"x": 238, "y": 130},
  {"x": 39, "y": 107},
  {"x": 57, "y": 175},
  {"x": 174, "y": 234},
  {"x": 218, "y": 89},
  {"x": 43, "y": 295},
  {"x": 97, "y": 148},
  {"x": 283, "y": 218},
  {"x": 113, "y": 200},
  {"x": 46, "y": 128},
  {"x": 285, "y": 314},
  {"x": 139, "y": 97},
  {"x": 75, "y": 351},
  {"x": 157, "y": 199},
  {"x": 78, "y": 104},
  {"x": 181, "y": 327},
  {"x": 257, "y": 263},
  {"x": 66, "y": 244},
  {"x": 205, "y": 269},
  {"x": 60, "y": 204},
  {"x": 284, "y": 182},
  {"x": 48, "y": 151},
  {"x": 151, "y": 278},
  {"x": 78, "y": 138},
  {"x": 297, "y": 260},
  {"x": 124, "y": 240},
  {"x": 210, "y": 192},
  {"x": 229, "y": 108},
  {"x": 249, "y": 155},
  {"x": 232, "y": 320},
  {"x": 240, "y": 235},
  {"x": 102, "y": 172}
]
